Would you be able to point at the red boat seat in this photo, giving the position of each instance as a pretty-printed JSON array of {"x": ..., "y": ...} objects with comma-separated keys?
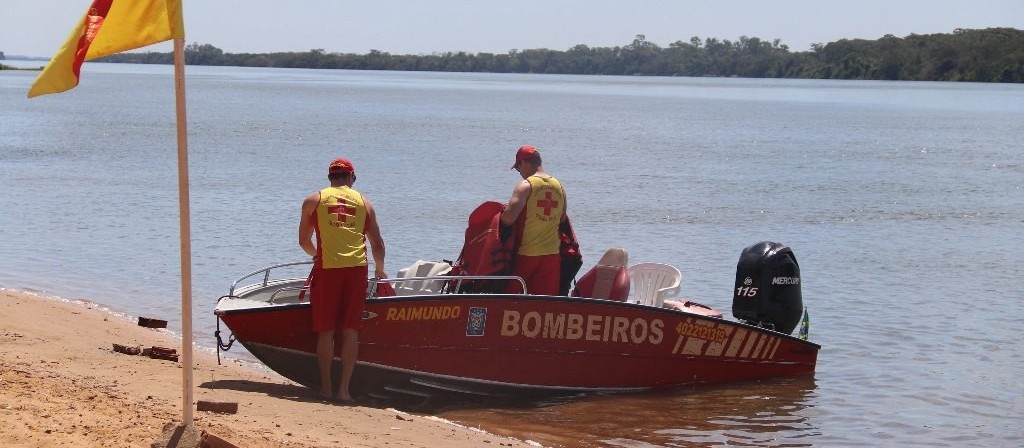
[{"x": 608, "y": 280}]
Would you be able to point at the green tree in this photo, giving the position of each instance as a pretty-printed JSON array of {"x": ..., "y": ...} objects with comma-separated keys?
[
  {"x": 988, "y": 55},
  {"x": 204, "y": 54}
]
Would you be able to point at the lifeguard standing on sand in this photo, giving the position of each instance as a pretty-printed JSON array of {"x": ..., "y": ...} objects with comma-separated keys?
[
  {"x": 342, "y": 220},
  {"x": 538, "y": 207}
]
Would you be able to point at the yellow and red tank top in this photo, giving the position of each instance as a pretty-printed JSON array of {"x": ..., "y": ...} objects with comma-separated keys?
[
  {"x": 541, "y": 216},
  {"x": 340, "y": 220}
]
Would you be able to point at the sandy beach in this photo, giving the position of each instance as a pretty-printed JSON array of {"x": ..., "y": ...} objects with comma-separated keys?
[{"x": 62, "y": 384}]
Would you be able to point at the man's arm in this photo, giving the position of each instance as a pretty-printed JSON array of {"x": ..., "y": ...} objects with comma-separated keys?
[
  {"x": 516, "y": 204},
  {"x": 565, "y": 209},
  {"x": 306, "y": 224},
  {"x": 372, "y": 232}
]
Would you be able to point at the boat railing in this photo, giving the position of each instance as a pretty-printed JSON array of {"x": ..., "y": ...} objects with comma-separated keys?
[
  {"x": 448, "y": 284},
  {"x": 454, "y": 281},
  {"x": 266, "y": 274}
]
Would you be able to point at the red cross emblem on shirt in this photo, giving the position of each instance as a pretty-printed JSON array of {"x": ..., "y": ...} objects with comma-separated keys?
[
  {"x": 547, "y": 203},
  {"x": 342, "y": 211}
]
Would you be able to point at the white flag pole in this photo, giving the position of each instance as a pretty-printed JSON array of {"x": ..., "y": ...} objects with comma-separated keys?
[{"x": 186, "y": 234}]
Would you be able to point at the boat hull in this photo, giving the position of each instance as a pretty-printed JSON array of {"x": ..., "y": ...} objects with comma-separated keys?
[{"x": 511, "y": 345}]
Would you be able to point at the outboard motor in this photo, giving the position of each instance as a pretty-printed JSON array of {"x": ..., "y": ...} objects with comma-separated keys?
[{"x": 767, "y": 290}]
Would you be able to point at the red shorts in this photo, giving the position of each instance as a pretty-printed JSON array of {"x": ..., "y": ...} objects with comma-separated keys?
[
  {"x": 542, "y": 274},
  {"x": 338, "y": 297}
]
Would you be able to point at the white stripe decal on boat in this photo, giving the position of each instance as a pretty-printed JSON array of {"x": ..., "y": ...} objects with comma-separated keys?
[
  {"x": 693, "y": 346},
  {"x": 716, "y": 348},
  {"x": 750, "y": 344},
  {"x": 737, "y": 342},
  {"x": 771, "y": 355},
  {"x": 760, "y": 344}
]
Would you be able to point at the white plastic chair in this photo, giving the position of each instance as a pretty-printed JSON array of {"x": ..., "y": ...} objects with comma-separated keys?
[
  {"x": 653, "y": 283},
  {"x": 421, "y": 269}
]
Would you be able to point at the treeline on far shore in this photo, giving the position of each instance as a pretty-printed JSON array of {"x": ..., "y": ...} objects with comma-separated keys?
[
  {"x": 11, "y": 67},
  {"x": 987, "y": 55}
]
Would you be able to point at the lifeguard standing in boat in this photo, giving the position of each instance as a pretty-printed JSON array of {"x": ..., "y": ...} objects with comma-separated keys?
[{"x": 536, "y": 210}]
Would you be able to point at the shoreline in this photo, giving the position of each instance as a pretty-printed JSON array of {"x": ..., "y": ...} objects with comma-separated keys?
[{"x": 63, "y": 385}]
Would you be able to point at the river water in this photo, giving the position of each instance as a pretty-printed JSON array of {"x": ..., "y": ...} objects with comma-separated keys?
[{"x": 903, "y": 202}]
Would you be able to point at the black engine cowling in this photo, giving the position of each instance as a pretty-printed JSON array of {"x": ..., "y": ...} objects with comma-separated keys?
[{"x": 767, "y": 290}]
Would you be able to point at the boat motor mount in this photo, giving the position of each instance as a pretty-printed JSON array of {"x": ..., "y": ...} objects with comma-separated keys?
[{"x": 767, "y": 292}]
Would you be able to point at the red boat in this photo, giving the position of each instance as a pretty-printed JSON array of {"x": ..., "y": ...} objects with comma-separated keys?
[{"x": 436, "y": 337}]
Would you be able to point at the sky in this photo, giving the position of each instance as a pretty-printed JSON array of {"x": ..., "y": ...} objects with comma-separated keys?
[{"x": 39, "y": 27}]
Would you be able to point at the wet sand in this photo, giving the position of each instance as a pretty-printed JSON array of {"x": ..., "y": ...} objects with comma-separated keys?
[{"x": 62, "y": 384}]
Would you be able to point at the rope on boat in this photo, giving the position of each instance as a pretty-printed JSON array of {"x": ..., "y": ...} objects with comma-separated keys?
[{"x": 220, "y": 343}]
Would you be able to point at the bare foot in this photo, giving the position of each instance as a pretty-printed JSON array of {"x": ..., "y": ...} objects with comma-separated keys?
[{"x": 344, "y": 398}]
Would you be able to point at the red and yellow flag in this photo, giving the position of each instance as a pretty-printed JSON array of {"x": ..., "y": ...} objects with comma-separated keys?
[{"x": 109, "y": 27}]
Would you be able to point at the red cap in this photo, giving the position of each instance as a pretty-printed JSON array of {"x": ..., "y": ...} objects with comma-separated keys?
[
  {"x": 340, "y": 165},
  {"x": 525, "y": 152}
]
